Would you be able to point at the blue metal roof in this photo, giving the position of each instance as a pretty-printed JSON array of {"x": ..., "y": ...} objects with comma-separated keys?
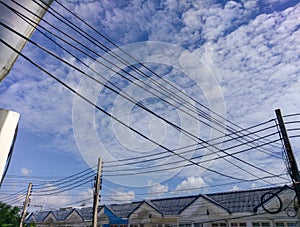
[
  {"x": 234, "y": 201},
  {"x": 38, "y": 216},
  {"x": 243, "y": 201},
  {"x": 123, "y": 210},
  {"x": 172, "y": 206},
  {"x": 61, "y": 215},
  {"x": 86, "y": 213}
]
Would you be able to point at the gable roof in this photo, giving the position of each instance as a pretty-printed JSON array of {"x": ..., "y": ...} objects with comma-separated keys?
[
  {"x": 216, "y": 203},
  {"x": 86, "y": 213},
  {"x": 74, "y": 211},
  {"x": 233, "y": 202},
  {"x": 61, "y": 215},
  {"x": 242, "y": 201},
  {"x": 149, "y": 203},
  {"x": 273, "y": 194},
  {"x": 123, "y": 210},
  {"x": 173, "y": 206},
  {"x": 49, "y": 217},
  {"x": 40, "y": 216}
]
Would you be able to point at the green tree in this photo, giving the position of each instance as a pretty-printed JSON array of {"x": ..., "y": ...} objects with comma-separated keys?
[{"x": 9, "y": 216}]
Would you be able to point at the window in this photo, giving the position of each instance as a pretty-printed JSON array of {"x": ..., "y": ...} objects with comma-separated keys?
[
  {"x": 185, "y": 225},
  {"x": 219, "y": 224},
  {"x": 285, "y": 224},
  {"x": 261, "y": 224},
  {"x": 238, "y": 224},
  {"x": 198, "y": 225},
  {"x": 156, "y": 225}
]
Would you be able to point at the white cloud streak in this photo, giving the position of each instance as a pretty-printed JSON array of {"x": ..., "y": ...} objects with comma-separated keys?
[
  {"x": 123, "y": 197},
  {"x": 25, "y": 171},
  {"x": 252, "y": 49},
  {"x": 191, "y": 184}
]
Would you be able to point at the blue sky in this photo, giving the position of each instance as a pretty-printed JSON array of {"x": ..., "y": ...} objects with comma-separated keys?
[{"x": 240, "y": 58}]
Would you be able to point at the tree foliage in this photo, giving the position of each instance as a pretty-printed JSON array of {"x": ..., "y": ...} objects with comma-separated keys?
[{"x": 9, "y": 216}]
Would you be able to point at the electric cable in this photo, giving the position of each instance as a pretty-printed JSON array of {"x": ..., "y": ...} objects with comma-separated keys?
[
  {"x": 171, "y": 168},
  {"x": 195, "y": 157},
  {"x": 105, "y": 112},
  {"x": 71, "y": 25},
  {"x": 68, "y": 179},
  {"x": 85, "y": 64},
  {"x": 111, "y": 42},
  {"x": 60, "y": 190},
  {"x": 22, "y": 192},
  {"x": 175, "y": 127}
]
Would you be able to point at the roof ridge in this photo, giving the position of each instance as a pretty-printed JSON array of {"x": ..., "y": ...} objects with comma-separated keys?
[
  {"x": 111, "y": 204},
  {"x": 242, "y": 191},
  {"x": 178, "y": 197}
]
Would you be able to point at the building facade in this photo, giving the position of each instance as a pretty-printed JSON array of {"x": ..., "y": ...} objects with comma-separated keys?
[{"x": 269, "y": 207}]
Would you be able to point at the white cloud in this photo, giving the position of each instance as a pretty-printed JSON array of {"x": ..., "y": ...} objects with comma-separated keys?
[
  {"x": 254, "y": 54},
  {"x": 191, "y": 184},
  {"x": 85, "y": 198},
  {"x": 192, "y": 19},
  {"x": 59, "y": 200},
  {"x": 236, "y": 188},
  {"x": 257, "y": 60},
  {"x": 25, "y": 171},
  {"x": 157, "y": 190},
  {"x": 123, "y": 197},
  {"x": 50, "y": 201}
]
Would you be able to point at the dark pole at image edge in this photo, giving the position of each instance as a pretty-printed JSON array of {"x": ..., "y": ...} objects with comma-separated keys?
[{"x": 293, "y": 168}]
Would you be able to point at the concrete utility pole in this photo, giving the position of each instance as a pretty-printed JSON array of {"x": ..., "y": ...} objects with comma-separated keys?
[
  {"x": 293, "y": 168},
  {"x": 97, "y": 193},
  {"x": 25, "y": 205}
]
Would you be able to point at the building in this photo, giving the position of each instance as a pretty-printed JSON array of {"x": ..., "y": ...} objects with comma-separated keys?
[{"x": 269, "y": 207}]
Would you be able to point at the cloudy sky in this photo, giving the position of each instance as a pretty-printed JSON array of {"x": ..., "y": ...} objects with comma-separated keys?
[{"x": 240, "y": 59}]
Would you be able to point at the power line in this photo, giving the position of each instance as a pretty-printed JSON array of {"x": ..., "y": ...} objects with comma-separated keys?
[
  {"x": 108, "y": 114},
  {"x": 61, "y": 189},
  {"x": 14, "y": 195},
  {"x": 109, "y": 164},
  {"x": 143, "y": 107},
  {"x": 175, "y": 126},
  {"x": 176, "y": 167},
  {"x": 88, "y": 37},
  {"x": 195, "y": 145},
  {"x": 68, "y": 179},
  {"x": 117, "y": 46}
]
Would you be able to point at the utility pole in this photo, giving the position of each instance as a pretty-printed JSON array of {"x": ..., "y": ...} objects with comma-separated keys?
[
  {"x": 25, "y": 205},
  {"x": 97, "y": 193},
  {"x": 292, "y": 164}
]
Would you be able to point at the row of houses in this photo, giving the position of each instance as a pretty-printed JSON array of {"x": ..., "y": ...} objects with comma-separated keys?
[{"x": 268, "y": 207}]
